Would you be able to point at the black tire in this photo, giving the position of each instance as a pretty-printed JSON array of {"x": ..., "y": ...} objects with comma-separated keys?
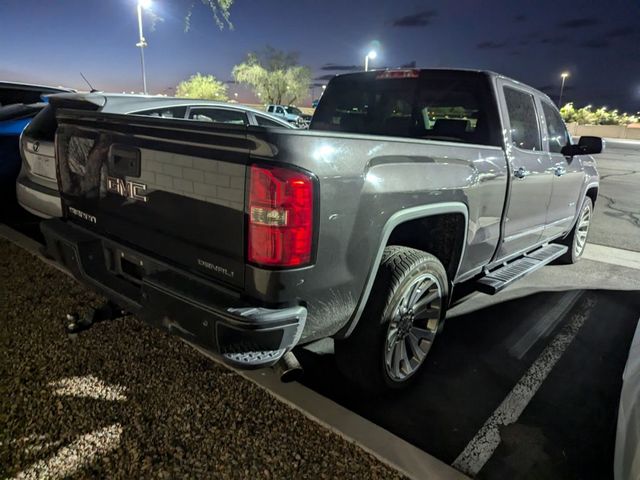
[
  {"x": 573, "y": 239},
  {"x": 363, "y": 356}
]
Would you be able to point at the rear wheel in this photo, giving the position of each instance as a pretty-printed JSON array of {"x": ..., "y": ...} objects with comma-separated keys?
[
  {"x": 399, "y": 323},
  {"x": 577, "y": 238}
]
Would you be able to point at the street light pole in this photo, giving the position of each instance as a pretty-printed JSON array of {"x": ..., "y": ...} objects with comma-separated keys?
[
  {"x": 142, "y": 42},
  {"x": 564, "y": 76},
  {"x": 371, "y": 55}
]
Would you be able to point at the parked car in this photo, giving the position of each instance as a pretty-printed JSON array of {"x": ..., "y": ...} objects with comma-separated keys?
[
  {"x": 36, "y": 186},
  {"x": 291, "y": 114},
  {"x": 411, "y": 189},
  {"x": 19, "y": 103},
  {"x": 627, "y": 450}
]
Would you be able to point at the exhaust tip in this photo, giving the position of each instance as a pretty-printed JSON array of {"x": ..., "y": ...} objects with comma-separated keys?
[{"x": 289, "y": 368}]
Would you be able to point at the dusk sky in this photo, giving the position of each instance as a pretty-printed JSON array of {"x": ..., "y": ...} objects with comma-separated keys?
[{"x": 598, "y": 42}]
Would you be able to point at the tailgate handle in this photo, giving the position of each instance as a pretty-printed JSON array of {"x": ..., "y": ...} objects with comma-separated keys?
[{"x": 124, "y": 161}]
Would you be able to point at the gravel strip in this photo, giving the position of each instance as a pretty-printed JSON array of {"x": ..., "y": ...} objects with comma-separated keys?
[{"x": 123, "y": 400}]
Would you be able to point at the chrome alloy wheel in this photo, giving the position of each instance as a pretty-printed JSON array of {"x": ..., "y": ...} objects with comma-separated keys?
[
  {"x": 413, "y": 327},
  {"x": 582, "y": 229}
]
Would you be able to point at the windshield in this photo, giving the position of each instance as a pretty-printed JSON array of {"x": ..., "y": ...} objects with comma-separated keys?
[{"x": 434, "y": 105}]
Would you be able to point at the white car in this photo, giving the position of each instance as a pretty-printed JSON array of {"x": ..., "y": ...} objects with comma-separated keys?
[
  {"x": 37, "y": 186},
  {"x": 291, "y": 114}
]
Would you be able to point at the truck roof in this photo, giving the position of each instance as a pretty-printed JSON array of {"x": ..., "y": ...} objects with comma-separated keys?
[{"x": 489, "y": 73}]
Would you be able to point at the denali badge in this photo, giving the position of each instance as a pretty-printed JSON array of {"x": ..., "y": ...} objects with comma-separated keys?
[
  {"x": 82, "y": 215},
  {"x": 216, "y": 268},
  {"x": 127, "y": 189}
]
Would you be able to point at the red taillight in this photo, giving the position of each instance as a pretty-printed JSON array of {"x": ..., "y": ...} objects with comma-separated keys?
[
  {"x": 406, "y": 73},
  {"x": 280, "y": 217}
]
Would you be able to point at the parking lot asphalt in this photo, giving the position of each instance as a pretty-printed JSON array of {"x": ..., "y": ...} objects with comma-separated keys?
[
  {"x": 617, "y": 216},
  {"x": 480, "y": 358}
]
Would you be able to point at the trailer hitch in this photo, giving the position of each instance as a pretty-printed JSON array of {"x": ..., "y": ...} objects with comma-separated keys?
[{"x": 107, "y": 311}]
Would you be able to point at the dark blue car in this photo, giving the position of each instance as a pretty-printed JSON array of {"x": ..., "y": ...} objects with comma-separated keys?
[{"x": 19, "y": 103}]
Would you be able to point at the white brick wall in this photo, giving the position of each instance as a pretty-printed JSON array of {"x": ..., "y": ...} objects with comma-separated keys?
[{"x": 213, "y": 181}]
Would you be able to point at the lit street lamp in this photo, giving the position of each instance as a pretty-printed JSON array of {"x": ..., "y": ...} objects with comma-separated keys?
[
  {"x": 370, "y": 56},
  {"x": 564, "y": 76},
  {"x": 146, "y": 4}
]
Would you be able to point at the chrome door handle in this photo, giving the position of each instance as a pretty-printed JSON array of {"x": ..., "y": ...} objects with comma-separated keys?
[
  {"x": 560, "y": 170},
  {"x": 521, "y": 172}
]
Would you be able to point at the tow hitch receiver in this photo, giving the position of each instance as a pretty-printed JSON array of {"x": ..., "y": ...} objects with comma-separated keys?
[{"x": 108, "y": 311}]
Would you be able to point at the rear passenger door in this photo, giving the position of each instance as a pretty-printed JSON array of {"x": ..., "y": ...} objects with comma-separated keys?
[
  {"x": 531, "y": 177},
  {"x": 568, "y": 174}
]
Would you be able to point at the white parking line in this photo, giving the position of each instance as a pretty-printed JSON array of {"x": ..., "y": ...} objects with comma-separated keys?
[
  {"x": 611, "y": 255},
  {"x": 485, "y": 442}
]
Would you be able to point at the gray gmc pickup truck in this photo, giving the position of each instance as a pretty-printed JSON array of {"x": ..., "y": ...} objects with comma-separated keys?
[{"x": 411, "y": 189}]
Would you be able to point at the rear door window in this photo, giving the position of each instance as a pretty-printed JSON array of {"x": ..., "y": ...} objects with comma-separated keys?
[
  {"x": 525, "y": 132},
  {"x": 219, "y": 115},
  {"x": 556, "y": 129},
  {"x": 265, "y": 122},
  {"x": 432, "y": 105}
]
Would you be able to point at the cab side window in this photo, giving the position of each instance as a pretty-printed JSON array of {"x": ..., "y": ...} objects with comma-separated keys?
[
  {"x": 556, "y": 129},
  {"x": 525, "y": 132}
]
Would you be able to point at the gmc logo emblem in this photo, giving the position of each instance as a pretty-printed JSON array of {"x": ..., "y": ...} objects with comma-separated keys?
[{"x": 127, "y": 189}]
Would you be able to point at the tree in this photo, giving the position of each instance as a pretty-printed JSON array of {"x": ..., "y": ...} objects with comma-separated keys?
[
  {"x": 220, "y": 9},
  {"x": 274, "y": 76},
  {"x": 204, "y": 87},
  {"x": 601, "y": 116}
]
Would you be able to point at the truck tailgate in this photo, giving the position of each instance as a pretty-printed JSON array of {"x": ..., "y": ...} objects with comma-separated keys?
[{"x": 169, "y": 188}]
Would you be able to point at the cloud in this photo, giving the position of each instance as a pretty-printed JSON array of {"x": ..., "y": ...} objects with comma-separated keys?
[
  {"x": 554, "y": 40},
  {"x": 622, "y": 32},
  {"x": 419, "y": 19},
  {"x": 580, "y": 22},
  {"x": 491, "y": 45},
  {"x": 333, "y": 67},
  {"x": 595, "y": 43},
  {"x": 520, "y": 18}
]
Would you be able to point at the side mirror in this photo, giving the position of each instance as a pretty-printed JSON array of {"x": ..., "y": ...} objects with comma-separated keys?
[
  {"x": 591, "y": 145},
  {"x": 586, "y": 146}
]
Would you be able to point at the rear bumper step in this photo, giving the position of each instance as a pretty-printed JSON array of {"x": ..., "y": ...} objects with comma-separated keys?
[
  {"x": 199, "y": 311},
  {"x": 502, "y": 277}
]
